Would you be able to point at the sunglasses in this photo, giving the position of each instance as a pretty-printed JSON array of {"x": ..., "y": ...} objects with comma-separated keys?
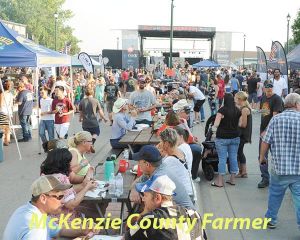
[
  {"x": 142, "y": 194},
  {"x": 59, "y": 197}
]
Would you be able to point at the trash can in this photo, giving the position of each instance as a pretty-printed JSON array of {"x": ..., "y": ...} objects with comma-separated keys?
[{"x": 1, "y": 145}]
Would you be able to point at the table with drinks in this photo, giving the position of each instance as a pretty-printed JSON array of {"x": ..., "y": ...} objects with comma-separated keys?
[{"x": 118, "y": 180}]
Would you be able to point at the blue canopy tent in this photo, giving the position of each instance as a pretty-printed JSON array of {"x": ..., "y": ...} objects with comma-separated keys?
[
  {"x": 293, "y": 58},
  {"x": 205, "y": 63},
  {"x": 17, "y": 51}
]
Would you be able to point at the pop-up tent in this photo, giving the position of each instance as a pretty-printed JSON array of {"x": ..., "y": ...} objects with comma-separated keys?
[
  {"x": 205, "y": 63},
  {"x": 293, "y": 58},
  {"x": 17, "y": 51},
  {"x": 77, "y": 63}
]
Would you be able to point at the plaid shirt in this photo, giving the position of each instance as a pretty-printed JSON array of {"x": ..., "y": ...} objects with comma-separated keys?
[{"x": 283, "y": 135}]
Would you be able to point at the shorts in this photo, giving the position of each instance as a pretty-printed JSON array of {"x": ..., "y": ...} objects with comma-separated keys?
[
  {"x": 109, "y": 106},
  {"x": 76, "y": 101},
  {"x": 198, "y": 105},
  {"x": 92, "y": 131},
  {"x": 252, "y": 97},
  {"x": 61, "y": 129}
]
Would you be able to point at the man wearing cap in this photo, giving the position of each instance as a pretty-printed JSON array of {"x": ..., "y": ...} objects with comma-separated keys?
[
  {"x": 122, "y": 122},
  {"x": 143, "y": 101},
  {"x": 24, "y": 100},
  {"x": 150, "y": 162},
  {"x": 271, "y": 104},
  {"x": 157, "y": 195},
  {"x": 47, "y": 193}
]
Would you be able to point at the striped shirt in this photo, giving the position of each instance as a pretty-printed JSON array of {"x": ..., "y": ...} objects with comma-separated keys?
[{"x": 283, "y": 135}]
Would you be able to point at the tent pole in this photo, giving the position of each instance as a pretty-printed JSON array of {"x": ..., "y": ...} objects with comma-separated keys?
[
  {"x": 72, "y": 97},
  {"x": 10, "y": 121},
  {"x": 38, "y": 107}
]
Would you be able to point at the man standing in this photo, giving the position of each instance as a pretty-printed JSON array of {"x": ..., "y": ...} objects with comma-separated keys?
[
  {"x": 280, "y": 84},
  {"x": 62, "y": 108},
  {"x": 252, "y": 90},
  {"x": 111, "y": 93},
  {"x": 271, "y": 104},
  {"x": 143, "y": 101},
  {"x": 25, "y": 104},
  {"x": 47, "y": 192},
  {"x": 130, "y": 85},
  {"x": 47, "y": 118},
  {"x": 199, "y": 99},
  {"x": 283, "y": 137},
  {"x": 89, "y": 107}
]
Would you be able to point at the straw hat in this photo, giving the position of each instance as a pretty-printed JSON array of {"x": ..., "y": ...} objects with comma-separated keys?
[
  {"x": 119, "y": 104},
  {"x": 180, "y": 105}
]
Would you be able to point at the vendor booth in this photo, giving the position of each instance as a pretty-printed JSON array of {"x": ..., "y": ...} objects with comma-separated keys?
[{"x": 17, "y": 51}]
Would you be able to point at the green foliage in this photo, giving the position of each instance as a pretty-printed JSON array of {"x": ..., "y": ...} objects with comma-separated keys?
[
  {"x": 296, "y": 29},
  {"x": 39, "y": 17}
]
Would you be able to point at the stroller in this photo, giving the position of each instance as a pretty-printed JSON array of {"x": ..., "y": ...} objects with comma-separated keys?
[{"x": 209, "y": 156}]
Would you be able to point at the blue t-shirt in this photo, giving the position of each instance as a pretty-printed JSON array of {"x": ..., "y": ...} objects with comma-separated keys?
[
  {"x": 26, "y": 99},
  {"x": 234, "y": 84},
  {"x": 18, "y": 226}
]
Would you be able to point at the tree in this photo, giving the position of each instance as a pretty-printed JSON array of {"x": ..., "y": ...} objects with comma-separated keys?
[
  {"x": 39, "y": 18},
  {"x": 296, "y": 29}
]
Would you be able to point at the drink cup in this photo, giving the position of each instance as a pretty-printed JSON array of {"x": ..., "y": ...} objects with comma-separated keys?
[{"x": 123, "y": 165}]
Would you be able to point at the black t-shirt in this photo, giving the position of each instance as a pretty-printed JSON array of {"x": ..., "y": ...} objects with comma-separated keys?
[
  {"x": 252, "y": 85},
  {"x": 112, "y": 92},
  {"x": 130, "y": 85},
  {"x": 228, "y": 127},
  {"x": 268, "y": 106}
]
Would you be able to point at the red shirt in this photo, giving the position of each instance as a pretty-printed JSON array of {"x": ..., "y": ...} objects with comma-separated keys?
[
  {"x": 125, "y": 76},
  {"x": 221, "y": 85},
  {"x": 63, "y": 106}
]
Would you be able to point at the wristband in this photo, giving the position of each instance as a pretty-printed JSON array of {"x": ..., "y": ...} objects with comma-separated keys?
[{"x": 82, "y": 165}]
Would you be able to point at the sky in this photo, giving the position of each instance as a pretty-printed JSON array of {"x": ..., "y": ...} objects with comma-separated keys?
[{"x": 262, "y": 21}]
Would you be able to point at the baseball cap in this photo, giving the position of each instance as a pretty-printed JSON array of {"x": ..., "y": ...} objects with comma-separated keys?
[
  {"x": 157, "y": 183},
  {"x": 181, "y": 104},
  {"x": 148, "y": 153},
  {"x": 47, "y": 183},
  {"x": 268, "y": 84}
]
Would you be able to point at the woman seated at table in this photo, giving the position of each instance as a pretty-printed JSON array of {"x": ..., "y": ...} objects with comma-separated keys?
[
  {"x": 80, "y": 144},
  {"x": 122, "y": 122},
  {"x": 179, "y": 117},
  {"x": 58, "y": 163},
  {"x": 174, "y": 157}
]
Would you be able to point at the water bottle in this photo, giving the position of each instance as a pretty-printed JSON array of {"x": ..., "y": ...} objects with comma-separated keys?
[
  {"x": 119, "y": 185},
  {"x": 126, "y": 154},
  {"x": 112, "y": 185},
  {"x": 162, "y": 111},
  {"x": 109, "y": 168}
]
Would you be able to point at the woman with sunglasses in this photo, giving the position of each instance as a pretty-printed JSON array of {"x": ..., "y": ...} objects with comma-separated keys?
[
  {"x": 58, "y": 164},
  {"x": 80, "y": 144}
]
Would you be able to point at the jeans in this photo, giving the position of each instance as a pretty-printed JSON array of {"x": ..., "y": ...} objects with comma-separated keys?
[
  {"x": 116, "y": 145},
  {"x": 197, "y": 151},
  {"x": 213, "y": 107},
  {"x": 227, "y": 147},
  {"x": 49, "y": 126},
  {"x": 26, "y": 129},
  {"x": 264, "y": 167},
  {"x": 277, "y": 188},
  {"x": 202, "y": 114}
]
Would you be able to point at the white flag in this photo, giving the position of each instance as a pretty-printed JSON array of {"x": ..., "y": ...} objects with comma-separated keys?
[{"x": 86, "y": 61}]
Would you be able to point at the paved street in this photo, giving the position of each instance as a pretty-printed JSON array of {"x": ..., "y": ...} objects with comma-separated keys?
[{"x": 243, "y": 200}]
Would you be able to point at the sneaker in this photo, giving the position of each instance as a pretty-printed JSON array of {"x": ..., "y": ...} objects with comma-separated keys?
[
  {"x": 263, "y": 183},
  {"x": 23, "y": 140},
  {"x": 197, "y": 180},
  {"x": 202, "y": 120},
  {"x": 271, "y": 225}
]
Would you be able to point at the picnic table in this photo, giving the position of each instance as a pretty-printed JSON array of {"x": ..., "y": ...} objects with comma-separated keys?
[
  {"x": 128, "y": 179},
  {"x": 142, "y": 137}
]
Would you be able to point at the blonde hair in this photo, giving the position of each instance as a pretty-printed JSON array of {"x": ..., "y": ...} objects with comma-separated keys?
[
  {"x": 79, "y": 138},
  {"x": 244, "y": 97}
]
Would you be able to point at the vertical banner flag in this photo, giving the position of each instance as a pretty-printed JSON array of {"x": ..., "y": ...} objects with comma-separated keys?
[
  {"x": 278, "y": 60},
  {"x": 86, "y": 61},
  {"x": 261, "y": 64}
]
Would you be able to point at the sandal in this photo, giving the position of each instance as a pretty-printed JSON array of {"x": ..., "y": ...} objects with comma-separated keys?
[
  {"x": 215, "y": 185},
  {"x": 232, "y": 184},
  {"x": 242, "y": 175}
]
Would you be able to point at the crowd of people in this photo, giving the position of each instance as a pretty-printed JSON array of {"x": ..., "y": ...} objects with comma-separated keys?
[{"x": 125, "y": 98}]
